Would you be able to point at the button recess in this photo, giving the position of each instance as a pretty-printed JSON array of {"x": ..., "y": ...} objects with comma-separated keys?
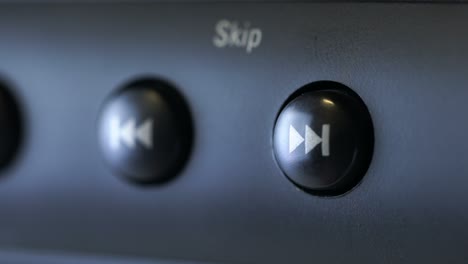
[
  {"x": 11, "y": 131},
  {"x": 323, "y": 138},
  {"x": 145, "y": 131}
]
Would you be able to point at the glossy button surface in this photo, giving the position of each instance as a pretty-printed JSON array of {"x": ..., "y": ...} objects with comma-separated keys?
[
  {"x": 145, "y": 131},
  {"x": 323, "y": 138}
]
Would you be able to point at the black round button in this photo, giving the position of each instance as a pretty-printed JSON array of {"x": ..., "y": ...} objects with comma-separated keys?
[
  {"x": 145, "y": 131},
  {"x": 11, "y": 126},
  {"x": 323, "y": 138}
]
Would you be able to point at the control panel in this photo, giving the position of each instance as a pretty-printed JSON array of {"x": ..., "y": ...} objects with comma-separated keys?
[{"x": 235, "y": 132}]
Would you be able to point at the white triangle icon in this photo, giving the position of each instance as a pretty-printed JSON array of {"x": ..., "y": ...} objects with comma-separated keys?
[
  {"x": 312, "y": 140},
  {"x": 127, "y": 133},
  {"x": 295, "y": 139},
  {"x": 144, "y": 133}
]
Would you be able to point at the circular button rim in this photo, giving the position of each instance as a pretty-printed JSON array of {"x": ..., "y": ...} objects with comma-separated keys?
[
  {"x": 359, "y": 167},
  {"x": 179, "y": 106}
]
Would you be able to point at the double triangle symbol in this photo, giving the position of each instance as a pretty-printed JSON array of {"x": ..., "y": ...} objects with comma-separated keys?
[
  {"x": 129, "y": 133},
  {"x": 311, "y": 139}
]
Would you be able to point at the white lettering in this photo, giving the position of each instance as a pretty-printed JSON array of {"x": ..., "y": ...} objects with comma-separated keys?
[
  {"x": 255, "y": 38},
  {"x": 222, "y": 34},
  {"x": 230, "y": 34}
]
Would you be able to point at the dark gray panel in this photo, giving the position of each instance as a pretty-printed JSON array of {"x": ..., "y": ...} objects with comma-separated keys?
[
  {"x": 22, "y": 257},
  {"x": 232, "y": 203}
]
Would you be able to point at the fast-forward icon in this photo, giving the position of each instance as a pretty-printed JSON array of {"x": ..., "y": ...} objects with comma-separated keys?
[
  {"x": 129, "y": 133},
  {"x": 311, "y": 140}
]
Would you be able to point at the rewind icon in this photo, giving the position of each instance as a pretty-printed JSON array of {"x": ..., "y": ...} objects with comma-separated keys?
[{"x": 129, "y": 133}]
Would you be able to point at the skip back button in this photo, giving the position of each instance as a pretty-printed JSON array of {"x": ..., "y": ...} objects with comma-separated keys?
[{"x": 145, "y": 131}]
